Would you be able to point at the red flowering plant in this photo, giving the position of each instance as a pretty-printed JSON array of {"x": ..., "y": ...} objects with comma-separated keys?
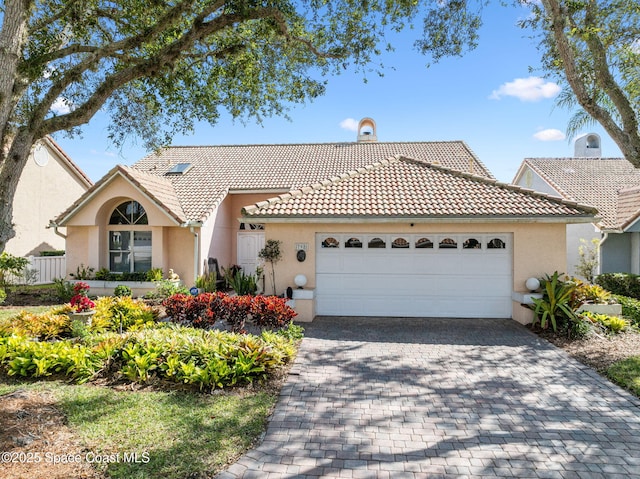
[
  {"x": 80, "y": 301},
  {"x": 271, "y": 312}
]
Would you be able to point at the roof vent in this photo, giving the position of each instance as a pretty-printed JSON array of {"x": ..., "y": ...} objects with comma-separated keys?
[
  {"x": 588, "y": 146},
  {"x": 367, "y": 131},
  {"x": 179, "y": 169}
]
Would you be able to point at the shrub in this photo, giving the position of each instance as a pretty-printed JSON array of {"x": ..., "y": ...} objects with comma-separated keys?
[
  {"x": 122, "y": 290},
  {"x": 122, "y": 314},
  {"x": 555, "y": 305},
  {"x": 204, "y": 359},
  {"x": 83, "y": 272},
  {"x": 48, "y": 325},
  {"x": 57, "y": 252},
  {"x": 207, "y": 282},
  {"x": 188, "y": 309},
  {"x": 243, "y": 283},
  {"x": 23, "y": 357},
  {"x": 165, "y": 289},
  {"x": 589, "y": 293},
  {"x": 10, "y": 267},
  {"x": 588, "y": 258},
  {"x": 204, "y": 310},
  {"x": 64, "y": 290},
  {"x": 154, "y": 274},
  {"x": 3, "y": 296},
  {"x": 630, "y": 308},
  {"x": 611, "y": 324},
  {"x": 271, "y": 312},
  {"x": 621, "y": 283}
]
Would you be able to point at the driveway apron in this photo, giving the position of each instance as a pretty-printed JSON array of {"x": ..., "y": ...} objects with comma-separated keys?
[{"x": 395, "y": 397}]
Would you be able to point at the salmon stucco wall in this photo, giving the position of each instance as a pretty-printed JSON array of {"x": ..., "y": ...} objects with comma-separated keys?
[
  {"x": 220, "y": 241},
  {"x": 538, "y": 248},
  {"x": 173, "y": 246}
]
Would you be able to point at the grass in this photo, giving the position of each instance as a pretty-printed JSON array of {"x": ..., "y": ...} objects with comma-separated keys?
[
  {"x": 626, "y": 373},
  {"x": 11, "y": 312},
  {"x": 175, "y": 434},
  {"x": 172, "y": 433}
]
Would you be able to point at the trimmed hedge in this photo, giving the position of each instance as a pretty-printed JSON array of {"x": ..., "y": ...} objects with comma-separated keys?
[
  {"x": 624, "y": 284},
  {"x": 630, "y": 308}
]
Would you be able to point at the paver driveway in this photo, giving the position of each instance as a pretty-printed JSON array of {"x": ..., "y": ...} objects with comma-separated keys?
[{"x": 443, "y": 398}]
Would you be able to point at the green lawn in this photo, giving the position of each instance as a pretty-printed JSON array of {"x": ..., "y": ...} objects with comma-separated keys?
[
  {"x": 626, "y": 373},
  {"x": 175, "y": 434},
  {"x": 10, "y": 312}
]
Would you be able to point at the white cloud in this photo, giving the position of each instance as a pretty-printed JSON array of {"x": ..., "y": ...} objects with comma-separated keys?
[
  {"x": 349, "y": 124},
  {"x": 550, "y": 134},
  {"x": 526, "y": 89},
  {"x": 60, "y": 107}
]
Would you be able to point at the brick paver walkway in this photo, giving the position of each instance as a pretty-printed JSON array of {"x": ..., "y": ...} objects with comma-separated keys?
[{"x": 422, "y": 398}]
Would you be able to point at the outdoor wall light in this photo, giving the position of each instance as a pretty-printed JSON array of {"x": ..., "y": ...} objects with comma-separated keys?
[
  {"x": 532, "y": 284},
  {"x": 300, "y": 280}
]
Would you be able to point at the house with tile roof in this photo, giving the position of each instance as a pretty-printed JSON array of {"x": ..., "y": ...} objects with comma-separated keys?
[
  {"x": 611, "y": 185},
  {"x": 49, "y": 182},
  {"x": 369, "y": 228}
]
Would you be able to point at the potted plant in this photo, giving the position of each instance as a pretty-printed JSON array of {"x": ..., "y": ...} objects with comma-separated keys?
[{"x": 82, "y": 307}]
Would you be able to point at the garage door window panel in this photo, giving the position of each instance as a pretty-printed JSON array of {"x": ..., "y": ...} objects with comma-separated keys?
[
  {"x": 353, "y": 243},
  {"x": 376, "y": 243},
  {"x": 330, "y": 242},
  {"x": 472, "y": 244},
  {"x": 424, "y": 243},
  {"x": 448, "y": 243},
  {"x": 400, "y": 243},
  {"x": 496, "y": 243}
]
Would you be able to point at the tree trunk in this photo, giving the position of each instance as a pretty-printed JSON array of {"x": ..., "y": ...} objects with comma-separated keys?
[
  {"x": 11, "y": 166},
  {"x": 627, "y": 135}
]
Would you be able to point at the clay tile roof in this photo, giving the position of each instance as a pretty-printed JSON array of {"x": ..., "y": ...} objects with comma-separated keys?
[
  {"x": 403, "y": 187},
  {"x": 216, "y": 170},
  {"x": 158, "y": 189},
  {"x": 628, "y": 207},
  {"x": 592, "y": 181}
]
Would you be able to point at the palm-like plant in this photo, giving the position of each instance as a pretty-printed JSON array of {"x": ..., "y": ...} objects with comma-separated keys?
[{"x": 555, "y": 302}]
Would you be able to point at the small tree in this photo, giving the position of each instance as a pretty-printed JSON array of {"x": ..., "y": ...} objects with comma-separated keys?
[
  {"x": 271, "y": 253},
  {"x": 10, "y": 267},
  {"x": 589, "y": 259}
]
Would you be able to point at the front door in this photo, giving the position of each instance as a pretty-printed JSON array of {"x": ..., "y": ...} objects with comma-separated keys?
[{"x": 249, "y": 245}]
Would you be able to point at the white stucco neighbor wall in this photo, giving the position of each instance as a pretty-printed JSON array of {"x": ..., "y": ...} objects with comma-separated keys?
[
  {"x": 575, "y": 233},
  {"x": 45, "y": 189}
]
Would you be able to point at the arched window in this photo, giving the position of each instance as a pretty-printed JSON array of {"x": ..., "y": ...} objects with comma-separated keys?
[
  {"x": 424, "y": 243},
  {"x": 129, "y": 245},
  {"x": 330, "y": 243},
  {"x": 400, "y": 243},
  {"x": 353, "y": 243},
  {"x": 377, "y": 243},
  {"x": 472, "y": 243},
  {"x": 496, "y": 243},
  {"x": 129, "y": 213},
  {"x": 448, "y": 243}
]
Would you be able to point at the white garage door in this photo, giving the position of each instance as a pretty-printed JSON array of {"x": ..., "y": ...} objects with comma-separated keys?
[{"x": 443, "y": 275}]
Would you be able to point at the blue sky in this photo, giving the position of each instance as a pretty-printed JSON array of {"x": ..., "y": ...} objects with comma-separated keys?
[{"x": 489, "y": 98}]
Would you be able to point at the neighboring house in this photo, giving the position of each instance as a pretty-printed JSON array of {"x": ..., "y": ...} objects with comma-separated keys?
[
  {"x": 49, "y": 182},
  {"x": 402, "y": 229},
  {"x": 611, "y": 185}
]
